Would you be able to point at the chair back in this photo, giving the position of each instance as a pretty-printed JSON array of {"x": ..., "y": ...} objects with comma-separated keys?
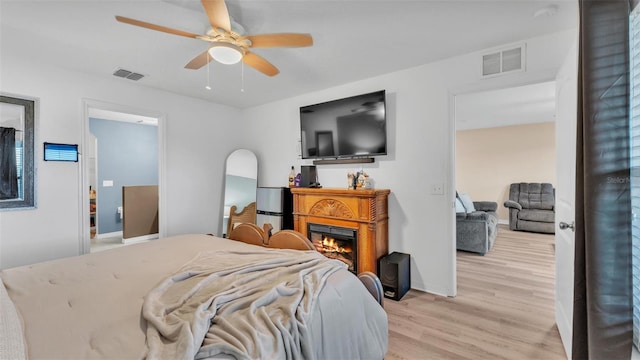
[
  {"x": 290, "y": 239},
  {"x": 373, "y": 285},
  {"x": 247, "y": 233},
  {"x": 247, "y": 215},
  {"x": 533, "y": 195}
]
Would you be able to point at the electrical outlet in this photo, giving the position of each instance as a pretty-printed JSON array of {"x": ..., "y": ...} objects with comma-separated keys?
[{"x": 437, "y": 189}]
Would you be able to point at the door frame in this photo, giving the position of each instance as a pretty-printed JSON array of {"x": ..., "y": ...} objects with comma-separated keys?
[
  {"x": 84, "y": 245},
  {"x": 505, "y": 83}
]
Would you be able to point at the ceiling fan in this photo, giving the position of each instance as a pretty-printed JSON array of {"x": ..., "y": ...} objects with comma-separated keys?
[{"x": 227, "y": 46}]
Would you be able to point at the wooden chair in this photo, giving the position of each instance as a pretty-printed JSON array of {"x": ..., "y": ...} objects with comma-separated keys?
[
  {"x": 290, "y": 239},
  {"x": 248, "y": 233},
  {"x": 373, "y": 285},
  {"x": 283, "y": 239},
  {"x": 247, "y": 215}
]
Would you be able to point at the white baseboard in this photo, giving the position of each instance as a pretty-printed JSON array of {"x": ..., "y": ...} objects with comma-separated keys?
[
  {"x": 110, "y": 235},
  {"x": 503, "y": 222},
  {"x": 138, "y": 239}
]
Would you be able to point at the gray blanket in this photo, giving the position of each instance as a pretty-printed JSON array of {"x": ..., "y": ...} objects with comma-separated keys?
[{"x": 252, "y": 304}]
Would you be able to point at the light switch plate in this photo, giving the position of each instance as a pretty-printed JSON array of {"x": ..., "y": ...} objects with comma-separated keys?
[{"x": 107, "y": 183}]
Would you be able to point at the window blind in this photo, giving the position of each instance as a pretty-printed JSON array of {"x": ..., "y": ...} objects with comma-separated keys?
[
  {"x": 19, "y": 166},
  {"x": 634, "y": 101}
]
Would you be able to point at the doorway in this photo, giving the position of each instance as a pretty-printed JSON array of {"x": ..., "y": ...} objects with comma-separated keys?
[
  {"x": 121, "y": 147},
  {"x": 500, "y": 137},
  {"x": 504, "y": 136}
]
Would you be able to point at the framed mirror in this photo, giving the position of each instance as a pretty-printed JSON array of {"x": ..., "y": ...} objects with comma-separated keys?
[
  {"x": 17, "y": 162},
  {"x": 241, "y": 181}
]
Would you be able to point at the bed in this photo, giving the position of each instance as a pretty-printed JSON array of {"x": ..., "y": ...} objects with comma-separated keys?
[{"x": 190, "y": 296}]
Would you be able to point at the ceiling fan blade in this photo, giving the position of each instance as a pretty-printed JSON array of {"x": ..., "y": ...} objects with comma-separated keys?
[
  {"x": 217, "y": 13},
  {"x": 281, "y": 40},
  {"x": 259, "y": 63},
  {"x": 199, "y": 61},
  {"x": 156, "y": 27}
]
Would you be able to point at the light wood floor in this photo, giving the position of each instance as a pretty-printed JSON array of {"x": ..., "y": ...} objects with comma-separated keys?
[{"x": 504, "y": 308}]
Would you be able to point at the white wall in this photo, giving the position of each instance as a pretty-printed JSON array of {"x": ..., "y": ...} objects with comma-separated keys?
[
  {"x": 199, "y": 136},
  {"x": 421, "y": 136},
  {"x": 489, "y": 160}
]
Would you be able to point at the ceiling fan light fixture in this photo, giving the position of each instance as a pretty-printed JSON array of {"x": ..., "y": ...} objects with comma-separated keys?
[{"x": 226, "y": 53}]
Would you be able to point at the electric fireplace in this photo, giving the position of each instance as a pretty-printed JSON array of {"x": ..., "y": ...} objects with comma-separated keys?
[
  {"x": 336, "y": 243},
  {"x": 359, "y": 214}
]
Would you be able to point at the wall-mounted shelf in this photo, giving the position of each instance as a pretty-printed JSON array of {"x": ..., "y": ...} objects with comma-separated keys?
[{"x": 343, "y": 161}]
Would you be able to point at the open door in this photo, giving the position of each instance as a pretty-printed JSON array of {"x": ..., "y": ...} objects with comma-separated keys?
[
  {"x": 566, "y": 118},
  {"x": 140, "y": 212}
]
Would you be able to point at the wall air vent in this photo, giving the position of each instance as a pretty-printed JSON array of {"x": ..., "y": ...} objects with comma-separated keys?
[
  {"x": 126, "y": 74},
  {"x": 503, "y": 60}
]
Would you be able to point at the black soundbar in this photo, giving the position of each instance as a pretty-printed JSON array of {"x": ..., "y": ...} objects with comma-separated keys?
[{"x": 343, "y": 161}]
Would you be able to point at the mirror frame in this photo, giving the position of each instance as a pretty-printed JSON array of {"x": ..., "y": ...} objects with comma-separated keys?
[
  {"x": 225, "y": 187},
  {"x": 28, "y": 200}
]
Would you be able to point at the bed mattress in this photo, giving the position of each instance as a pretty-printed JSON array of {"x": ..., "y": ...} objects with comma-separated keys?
[{"x": 89, "y": 307}]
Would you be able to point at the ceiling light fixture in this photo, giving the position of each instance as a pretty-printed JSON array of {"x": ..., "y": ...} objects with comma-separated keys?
[{"x": 226, "y": 53}]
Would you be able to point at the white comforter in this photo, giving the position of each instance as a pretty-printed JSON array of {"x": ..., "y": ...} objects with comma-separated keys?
[
  {"x": 89, "y": 307},
  {"x": 249, "y": 304},
  {"x": 11, "y": 341}
]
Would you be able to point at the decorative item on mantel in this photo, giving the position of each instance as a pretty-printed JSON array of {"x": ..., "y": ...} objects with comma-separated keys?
[
  {"x": 292, "y": 177},
  {"x": 350, "y": 180},
  {"x": 359, "y": 180}
]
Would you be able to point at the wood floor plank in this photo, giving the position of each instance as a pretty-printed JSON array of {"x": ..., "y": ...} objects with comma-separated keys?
[{"x": 504, "y": 308}]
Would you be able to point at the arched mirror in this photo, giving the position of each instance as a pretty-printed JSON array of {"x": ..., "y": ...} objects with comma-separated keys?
[{"x": 241, "y": 181}]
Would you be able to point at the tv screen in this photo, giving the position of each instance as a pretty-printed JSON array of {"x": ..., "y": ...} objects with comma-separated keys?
[{"x": 345, "y": 128}]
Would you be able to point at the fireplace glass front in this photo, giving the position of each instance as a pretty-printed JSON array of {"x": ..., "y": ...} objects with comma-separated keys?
[{"x": 336, "y": 243}]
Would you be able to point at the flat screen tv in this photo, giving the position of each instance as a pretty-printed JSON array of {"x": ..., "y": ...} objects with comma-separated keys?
[{"x": 345, "y": 128}]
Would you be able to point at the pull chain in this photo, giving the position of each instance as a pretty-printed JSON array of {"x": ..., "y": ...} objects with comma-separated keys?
[
  {"x": 208, "y": 87},
  {"x": 242, "y": 72}
]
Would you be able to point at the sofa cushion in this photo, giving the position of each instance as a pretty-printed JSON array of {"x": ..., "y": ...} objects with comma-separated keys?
[
  {"x": 537, "y": 226},
  {"x": 467, "y": 202},
  {"x": 536, "y": 215},
  {"x": 533, "y": 195}
]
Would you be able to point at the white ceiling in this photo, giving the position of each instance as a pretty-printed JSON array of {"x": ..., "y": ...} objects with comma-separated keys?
[
  {"x": 528, "y": 104},
  {"x": 353, "y": 39}
]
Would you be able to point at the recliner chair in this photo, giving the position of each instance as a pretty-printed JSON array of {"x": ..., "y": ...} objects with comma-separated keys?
[
  {"x": 532, "y": 207},
  {"x": 477, "y": 231}
]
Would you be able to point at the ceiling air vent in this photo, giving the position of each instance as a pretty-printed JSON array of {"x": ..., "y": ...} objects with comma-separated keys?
[
  {"x": 126, "y": 74},
  {"x": 503, "y": 60}
]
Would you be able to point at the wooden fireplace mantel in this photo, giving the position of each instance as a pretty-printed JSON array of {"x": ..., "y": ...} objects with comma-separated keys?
[{"x": 365, "y": 210}]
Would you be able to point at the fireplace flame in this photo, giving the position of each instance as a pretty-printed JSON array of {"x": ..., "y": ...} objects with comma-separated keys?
[
  {"x": 331, "y": 245},
  {"x": 332, "y": 248}
]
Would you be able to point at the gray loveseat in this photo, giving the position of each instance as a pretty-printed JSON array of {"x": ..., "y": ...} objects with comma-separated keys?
[
  {"x": 532, "y": 207},
  {"x": 476, "y": 231}
]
